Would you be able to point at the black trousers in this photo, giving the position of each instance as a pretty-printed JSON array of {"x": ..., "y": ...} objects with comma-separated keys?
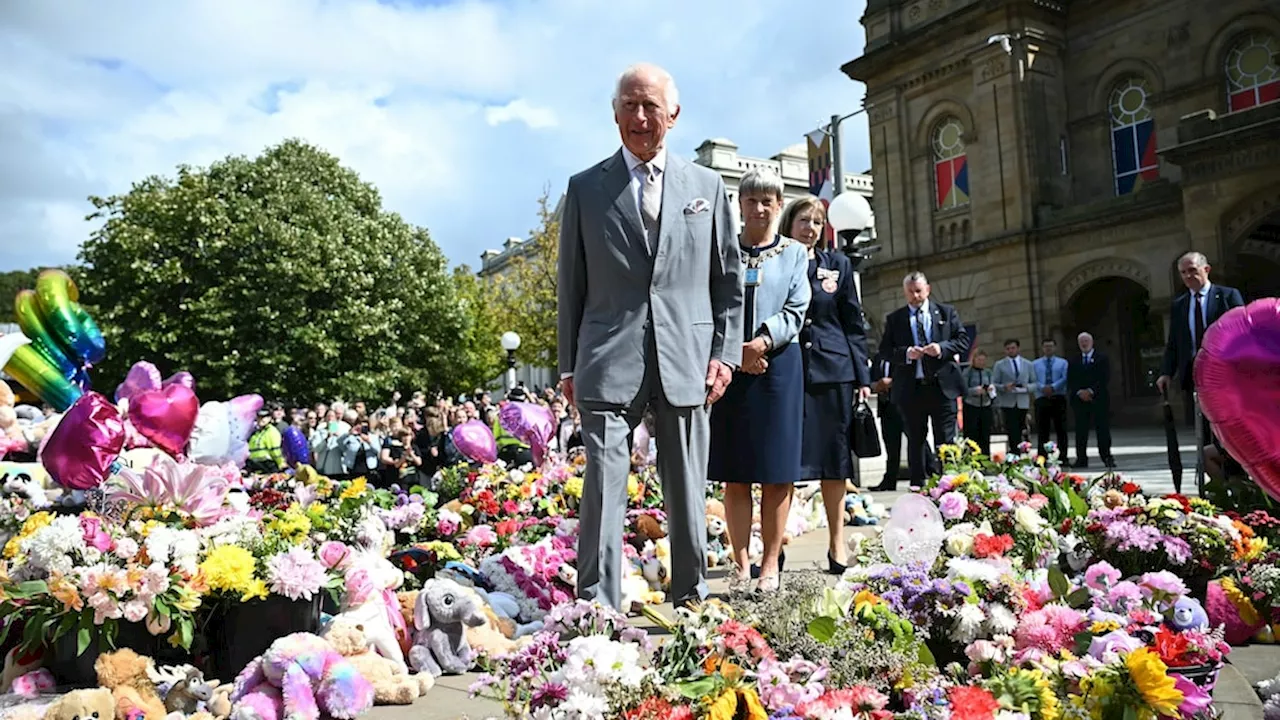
[
  {"x": 1015, "y": 425},
  {"x": 927, "y": 404},
  {"x": 1094, "y": 415},
  {"x": 978, "y": 423},
  {"x": 891, "y": 428},
  {"x": 1052, "y": 410}
]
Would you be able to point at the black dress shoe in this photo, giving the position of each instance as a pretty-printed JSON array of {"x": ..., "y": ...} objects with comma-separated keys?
[
  {"x": 833, "y": 567},
  {"x": 885, "y": 486},
  {"x": 1080, "y": 464},
  {"x": 782, "y": 561}
]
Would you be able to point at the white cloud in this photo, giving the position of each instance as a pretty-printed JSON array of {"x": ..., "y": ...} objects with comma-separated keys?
[{"x": 460, "y": 112}]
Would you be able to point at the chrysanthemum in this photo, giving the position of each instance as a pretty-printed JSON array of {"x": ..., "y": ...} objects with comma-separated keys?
[
  {"x": 228, "y": 568},
  {"x": 295, "y": 574}
]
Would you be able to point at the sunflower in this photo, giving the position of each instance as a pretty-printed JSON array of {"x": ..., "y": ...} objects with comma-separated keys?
[
  {"x": 1248, "y": 613},
  {"x": 1151, "y": 676}
]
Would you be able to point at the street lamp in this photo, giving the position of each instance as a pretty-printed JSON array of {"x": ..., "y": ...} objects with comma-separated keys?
[
  {"x": 510, "y": 342},
  {"x": 849, "y": 215}
]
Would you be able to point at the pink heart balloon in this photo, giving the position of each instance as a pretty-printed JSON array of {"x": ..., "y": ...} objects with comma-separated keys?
[
  {"x": 79, "y": 452},
  {"x": 475, "y": 440},
  {"x": 1238, "y": 381},
  {"x": 166, "y": 417},
  {"x": 531, "y": 424},
  {"x": 143, "y": 376},
  {"x": 183, "y": 378}
]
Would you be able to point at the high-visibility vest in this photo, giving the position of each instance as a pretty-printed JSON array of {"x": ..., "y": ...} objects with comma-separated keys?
[
  {"x": 504, "y": 438},
  {"x": 265, "y": 444}
]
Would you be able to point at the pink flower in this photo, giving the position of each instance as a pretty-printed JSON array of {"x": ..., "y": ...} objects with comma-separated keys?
[
  {"x": 335, "y": 555},
  {"x": 94, "y": 535},
  {"x": 189, "y": 488},
  {"x": 481, "y": 536},
  {"x": 1195, "y": 700},
  {"x": 1101, "y": 576},
  {"x": 1038, "y": 501},
  {"x": 953, "y": 505},
  {"x": 135, "y": 611},
  {"x": 295, "y": 574},
  {"x": 1051, "y": 628}
]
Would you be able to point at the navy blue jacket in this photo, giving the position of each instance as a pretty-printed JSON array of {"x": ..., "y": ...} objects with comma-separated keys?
[
  {"x": 1179, "y": 352},
  {"x": 950, "y": 335},
  {"x": 833, "y": 337}
]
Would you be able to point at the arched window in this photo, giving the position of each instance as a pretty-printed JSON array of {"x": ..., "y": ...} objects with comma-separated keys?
[
  {"x": 950, "y": 167},
  {"x": 1253, "y": 71},
  {"x": 1133, "y": 136}
]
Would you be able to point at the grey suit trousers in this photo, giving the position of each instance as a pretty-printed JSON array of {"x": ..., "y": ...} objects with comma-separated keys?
[{"x": 683, "y": 435}]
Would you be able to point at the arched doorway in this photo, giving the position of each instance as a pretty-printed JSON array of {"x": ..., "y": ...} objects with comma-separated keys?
[
  {"x": 1256, "y": 271},
  {"x": 1117, "y": 312}
]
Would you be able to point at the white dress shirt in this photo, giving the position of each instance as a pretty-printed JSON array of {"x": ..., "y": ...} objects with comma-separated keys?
[
  {"x": 1204, "y": 310},
  {"x": 659, "y": 164},
  {"x": 920, "y": 341}
]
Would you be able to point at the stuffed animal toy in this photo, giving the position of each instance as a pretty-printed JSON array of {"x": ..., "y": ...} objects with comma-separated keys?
[
  {"x": 718, "y": 550},
  {"x": 1189, "y": 614},
  {"x": 12, "y": 439},
  {"x": 440, "y": 615},
  {"x": 17, "y": 664},
  {"x": 391, "y": 686},
  {"x": 97, "y": 703},
  {"x": 34, "y": 684},
  {"x": 183, "y": 686},
  {"x": 656, "y": 564},
  {"x": 7, "y": 398},
  {"x": 370, "y": 603},
  {"x": 1269, "y": 691},
  {"x": 649, "y": 528},
  {"x": 300, "y": 677},
  {"x": 862, "y": 511},
  {"x": 1238, "y": 616},
  {"x": 128, "y": 676}
]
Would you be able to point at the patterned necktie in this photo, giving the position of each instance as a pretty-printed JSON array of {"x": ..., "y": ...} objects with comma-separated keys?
[
  {"x": 921, "y": 338},
  {"x": 1199, "y": 313},
  {"x": 650, "y": 200}
]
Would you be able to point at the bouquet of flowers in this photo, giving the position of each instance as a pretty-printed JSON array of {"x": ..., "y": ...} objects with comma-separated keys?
[{"x": 1135, "y": 534}]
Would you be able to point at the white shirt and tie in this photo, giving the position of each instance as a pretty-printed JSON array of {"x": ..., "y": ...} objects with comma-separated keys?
[
  {"x": 1203, "y": 296},
  {"x": 922, "y": 332}
]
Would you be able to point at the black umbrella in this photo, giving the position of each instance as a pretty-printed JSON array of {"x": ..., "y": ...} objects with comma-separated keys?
[{"x": 1171, "y": 442}]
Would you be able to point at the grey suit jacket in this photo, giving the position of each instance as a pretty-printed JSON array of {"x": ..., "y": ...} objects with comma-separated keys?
[
  {"x": 610, "y": 285},
  {"x": 1003, "y": 374}
]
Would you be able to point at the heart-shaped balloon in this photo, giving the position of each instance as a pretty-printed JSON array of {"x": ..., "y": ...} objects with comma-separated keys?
[
  {"x": 211, "y": 438},
  {"x": 79, "y": 452},
  {"x": 531, "y": 424},
  {"x": 166, "y": 417},
  {"x": 915, "y": 532},
  {"x": 475, "y": 440},
  {"x": 181, "y": 377},
  {"x": 143, "y": 376},
  {"x": 1239, "y": 387}
]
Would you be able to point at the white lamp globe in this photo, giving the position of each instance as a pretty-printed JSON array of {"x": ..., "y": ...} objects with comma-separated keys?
[
  {"x": 510, "y": 341},
  {"x": 849, "y": 211}
]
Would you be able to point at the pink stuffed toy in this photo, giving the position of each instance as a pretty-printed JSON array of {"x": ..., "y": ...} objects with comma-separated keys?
[
  {"x": 300, "y": 677},
  {"x": 34, "y": 684}
]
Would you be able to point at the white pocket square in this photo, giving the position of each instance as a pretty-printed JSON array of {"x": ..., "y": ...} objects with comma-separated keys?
[{"x": 697, "y": 206}]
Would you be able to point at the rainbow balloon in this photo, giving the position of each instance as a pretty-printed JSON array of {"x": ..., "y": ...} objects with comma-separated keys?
[{"x": 58, "y": 344}]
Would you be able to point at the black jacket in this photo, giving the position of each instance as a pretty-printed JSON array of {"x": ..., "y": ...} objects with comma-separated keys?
[
  {"x": 833, "y": 337},
  {"x": 1095, "y": 376},
  {"x": 946, "y": 330},
  {"x": 1179, "y": 351}
]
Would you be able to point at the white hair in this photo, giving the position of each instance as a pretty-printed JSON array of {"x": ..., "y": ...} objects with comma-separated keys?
[
  {"x": 915, "y": 277},
  {"x": 669, "y": 90},
  {"x": 1197, "y": 259},
  {"x": 759, "y": 181},
  {"x": 1083, "y": 335}
]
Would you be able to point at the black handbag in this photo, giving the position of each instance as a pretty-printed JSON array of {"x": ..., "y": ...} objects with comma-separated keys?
[{"x": 864, "y": 436}]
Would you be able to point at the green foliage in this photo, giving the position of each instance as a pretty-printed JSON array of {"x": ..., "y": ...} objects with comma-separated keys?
[
  {"x": 10, "y": 283},
  {"x": 479, "y": 345},
  {"x": 280, "y": 275},
  {"x": 526, "y": 291}
]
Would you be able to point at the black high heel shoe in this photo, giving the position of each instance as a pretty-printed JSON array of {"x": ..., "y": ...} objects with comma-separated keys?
[
  {"x": 833, "y": 567},
  {"x": 782, "y": 562}
]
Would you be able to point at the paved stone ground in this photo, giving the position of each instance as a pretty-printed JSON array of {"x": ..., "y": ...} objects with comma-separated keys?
[{"x": 1140, "y": 456}]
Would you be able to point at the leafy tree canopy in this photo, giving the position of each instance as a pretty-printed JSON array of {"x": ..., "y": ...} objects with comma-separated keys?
[
  {"x": 526, "y": 290},
  {"x": 280, "y": 275}
]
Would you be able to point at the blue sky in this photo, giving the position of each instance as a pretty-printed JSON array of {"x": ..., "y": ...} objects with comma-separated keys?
[{"x": 461, "y": 112}]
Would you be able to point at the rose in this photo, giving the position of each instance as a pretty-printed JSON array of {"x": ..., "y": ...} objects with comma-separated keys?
[
  {"x": 1106, "y": 648},
  {"x": 1028, "y": 520},
  {"x": 953, "y": 505},
  {"x": 960, "y": 544},
  {"x": 334, "y": 555},
  {"x": 94, "y": 536}
]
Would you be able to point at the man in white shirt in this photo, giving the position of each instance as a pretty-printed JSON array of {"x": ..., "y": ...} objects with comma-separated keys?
[{"x": 1013, "y": 378}]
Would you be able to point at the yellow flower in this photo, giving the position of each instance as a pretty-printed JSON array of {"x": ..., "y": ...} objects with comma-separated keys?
[
  {"x": 1248, "y": 613},
  {"x": 1049, "y": 708},
  {"x": 633, "y": 487},
  {"x": 293, "y": 524},
  {"x": 865, "y": 600},
  {"x": 1151, "y": 676},
  {"x": 973, "y": 446},
  {"x": 257, "y": 590},
  {"x": 65, "y": 592},
  {"x": 356, "y": 489},
  {"x": 188, "y": 599},
  {"x": 960, "y": 479},
  {"x": 949, "y": 452},
  {"x": 573, "y": 487},
  {"x": 229, "y": 568},
  {"x": 29, "y": 528},
  {"x": 724, "y": 707},
  {"x": 1102, "y": 627},
  {"x": 751, "y": 702}
]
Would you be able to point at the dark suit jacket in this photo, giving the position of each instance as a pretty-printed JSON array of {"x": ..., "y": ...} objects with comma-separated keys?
[
  {"x": 1179, "y": 351},
  {"x": 946, "y": 330},
  {"x": 877, "y": 373},
  {"x": 833, "y": 337},
  {"x": 1095, "y": 377}
]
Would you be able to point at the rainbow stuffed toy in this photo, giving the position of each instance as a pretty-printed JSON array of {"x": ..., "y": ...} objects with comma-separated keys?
[{"x": 300, "y": 677}]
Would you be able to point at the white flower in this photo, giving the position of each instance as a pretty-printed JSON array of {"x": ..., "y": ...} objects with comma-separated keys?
[
  {"x": 1000, "y": 619},
  {"x": 135, "y": 611},
  {"x": 968, "y": 623},
  {"x": 585, "y": 706},
  {"x": 49, "y": 549},
  {"x": 126, "y": 548},
  {"x": 959, "y": 544},
  {"x": 1029, "y": 520},
  {"x": 983, "y": 571}
]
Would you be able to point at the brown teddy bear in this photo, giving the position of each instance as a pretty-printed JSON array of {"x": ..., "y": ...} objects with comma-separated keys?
[
  {"x": 95, "y": 704},
  {"x": 128, "y": 676},
  {"x": 390, "y": 686}
]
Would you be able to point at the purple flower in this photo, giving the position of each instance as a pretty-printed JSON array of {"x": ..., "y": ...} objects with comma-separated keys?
[
  {"x": 1178, "y": 550},
  {"x": 548, "y": 695},
  {"x": 1115, "y": 642},
  {"x": 1124, "y": 595},
  {"x": 1101, "y": 576},
  {"x": 953, "y": 505},
  {"x": 1125, "y": 536}
]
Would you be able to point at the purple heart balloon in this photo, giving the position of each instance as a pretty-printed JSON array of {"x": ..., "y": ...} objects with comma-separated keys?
[
  {"x": 182, "y": 378},
  {"x": 475, "y": 440},
  {"x": 79, "y": 452},
  {"x": 143, "y": 376},
  {"x": 531, "y": 424}
]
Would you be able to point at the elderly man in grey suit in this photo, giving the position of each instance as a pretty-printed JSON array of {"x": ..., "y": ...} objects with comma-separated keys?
[
  {"x": 650, "y": 295},
  {"x": 1013, "y": 378}
]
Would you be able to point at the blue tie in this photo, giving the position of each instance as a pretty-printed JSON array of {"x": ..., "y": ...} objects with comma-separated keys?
[{"x": 1048, "y": 372}]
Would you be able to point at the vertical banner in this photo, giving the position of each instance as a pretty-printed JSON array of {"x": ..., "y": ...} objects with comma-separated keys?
[{"x": 820, "y": 181}]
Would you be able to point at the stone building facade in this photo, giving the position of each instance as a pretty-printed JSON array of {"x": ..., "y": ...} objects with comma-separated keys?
[{"x": 1045, "y": 162}]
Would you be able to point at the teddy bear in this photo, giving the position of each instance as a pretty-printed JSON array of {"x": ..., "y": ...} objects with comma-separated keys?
[
  {"x": 656, "y": 564},
  {"x": 718, "y": 551},
  {"x": 97, "y": 704},
  {"x": 128, "y": 676},
  {"x": 392, "y": 685},
  {"x": 301, "y": 677}
]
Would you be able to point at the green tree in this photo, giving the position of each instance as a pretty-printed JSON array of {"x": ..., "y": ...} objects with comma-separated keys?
[
  {"x": 526, "y": 291},
  {"x": 11, "y": 283},
  {"x": 280, "y": 275},
  {"x": 480, "y": 348}
]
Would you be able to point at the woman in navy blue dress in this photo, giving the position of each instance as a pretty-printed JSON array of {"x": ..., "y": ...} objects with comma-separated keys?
[
  {"x": 833, "y": 341},
  {"x": 755, "y": 427}
]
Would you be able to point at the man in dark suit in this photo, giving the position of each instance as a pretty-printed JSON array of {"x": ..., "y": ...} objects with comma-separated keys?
[
  {"x": 1087, "y": 379},
  {"x": 924, "y": 341},
  {"x": 890, "y": 422},
  {"x": 1190, "y": 316}
]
